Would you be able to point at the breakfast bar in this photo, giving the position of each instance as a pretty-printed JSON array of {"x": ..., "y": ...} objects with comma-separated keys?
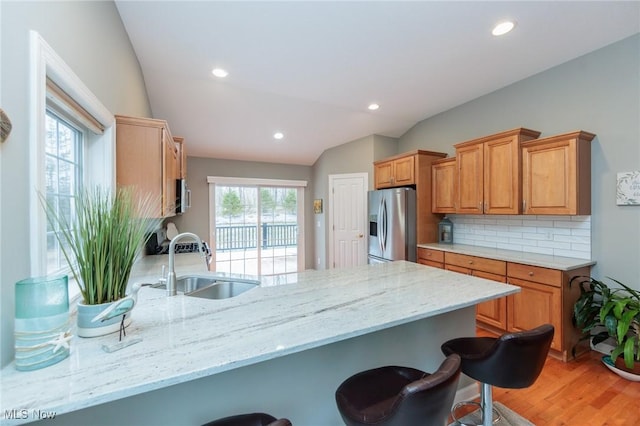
[{"x": 282, "y": 347}]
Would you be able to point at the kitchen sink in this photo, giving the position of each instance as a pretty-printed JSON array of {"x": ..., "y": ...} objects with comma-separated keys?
[
  {"x": 223, "y": 290},
  {"x": 209, "y": 287}
]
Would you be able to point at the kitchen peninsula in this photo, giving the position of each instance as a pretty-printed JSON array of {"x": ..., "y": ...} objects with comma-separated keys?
[{"x": 283, "y": 348}]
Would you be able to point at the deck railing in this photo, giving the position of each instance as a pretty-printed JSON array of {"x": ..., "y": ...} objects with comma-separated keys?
[{"x": 235, "y": 237}]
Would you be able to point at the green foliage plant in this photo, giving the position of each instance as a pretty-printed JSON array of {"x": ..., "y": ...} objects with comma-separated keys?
[
  {"x": 615, "y": 309},
  {"x": 102, "y": 239},
  {"x": 231, "y": 204},
  {"x": 290, "y": 201}
]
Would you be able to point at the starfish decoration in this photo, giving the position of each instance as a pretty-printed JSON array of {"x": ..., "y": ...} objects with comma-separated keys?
[{"x": 62, "y": 341}]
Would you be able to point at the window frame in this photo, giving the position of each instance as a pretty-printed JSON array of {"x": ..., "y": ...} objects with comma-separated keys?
[
  {"x": 298, "y": 185},
  {"x": 98, "y": 150}
]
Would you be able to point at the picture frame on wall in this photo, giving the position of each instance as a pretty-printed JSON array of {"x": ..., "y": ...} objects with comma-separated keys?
[
  {"x": 628, "y": 189},
  {"x": 317, "y": 206}
]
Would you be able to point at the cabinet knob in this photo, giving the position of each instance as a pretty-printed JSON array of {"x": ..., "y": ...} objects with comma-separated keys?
[
  {"x": 531, "y": 274},
  {"x": 428, "y": 254},
  {"x": 361, "y": 235},
  {"x": 471, "y": 262}
]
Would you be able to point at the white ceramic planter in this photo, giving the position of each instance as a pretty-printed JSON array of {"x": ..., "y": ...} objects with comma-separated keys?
[{"x": 86, "y": 328}]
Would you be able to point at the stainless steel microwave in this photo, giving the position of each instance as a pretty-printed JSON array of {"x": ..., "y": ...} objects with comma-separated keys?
[{"x": 183, "y": 196}]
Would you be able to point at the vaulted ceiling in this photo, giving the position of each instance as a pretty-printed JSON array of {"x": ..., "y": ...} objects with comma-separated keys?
[{"x": 310, "y": 69}]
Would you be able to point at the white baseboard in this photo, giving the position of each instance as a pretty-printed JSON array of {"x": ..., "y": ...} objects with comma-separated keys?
[{"x": 467, "y": 393}]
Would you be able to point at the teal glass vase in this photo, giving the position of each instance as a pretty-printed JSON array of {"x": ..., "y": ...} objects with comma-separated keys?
[{"x": 42, "y": 328}]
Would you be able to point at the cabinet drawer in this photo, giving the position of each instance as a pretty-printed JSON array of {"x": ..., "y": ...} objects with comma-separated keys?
[
  {"x": 498, "y": 267},
  {"x": 439, "y": 265},
  {"x": 430, "y": 254},
  {"x": 537, "y": 274}
]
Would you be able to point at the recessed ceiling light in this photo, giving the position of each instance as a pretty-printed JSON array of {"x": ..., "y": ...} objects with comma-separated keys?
[
  {"x": 503, "y": 28},
  {"x": 373, "y": 107},
  {"x": 278, "y": 135},
  {"x": 219, "y": 72}
]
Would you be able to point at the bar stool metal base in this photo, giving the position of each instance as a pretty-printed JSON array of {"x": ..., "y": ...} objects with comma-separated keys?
[{"x": 489, "y": 414}]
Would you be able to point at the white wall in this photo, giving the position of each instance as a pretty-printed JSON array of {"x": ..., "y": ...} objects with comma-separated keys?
[
  {"x": 599, "y": 93},
  {"x": 90, "y": 38}
]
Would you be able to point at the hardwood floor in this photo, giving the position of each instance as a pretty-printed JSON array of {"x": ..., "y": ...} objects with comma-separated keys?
[{"x": 582, "y": 392}]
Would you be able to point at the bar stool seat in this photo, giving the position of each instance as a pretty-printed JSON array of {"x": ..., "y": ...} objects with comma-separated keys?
[
  {"x": 399, "y": 396},
  {"x": 253, "y": 419},
  {"x": 513, "y": 360}
]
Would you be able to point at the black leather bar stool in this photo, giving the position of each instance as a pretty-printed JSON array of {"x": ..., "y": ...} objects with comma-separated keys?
[
  {"x": 253, "y": 419},
  {"x": 513, "y": 360},
  {"x": 399, "y": 396}
]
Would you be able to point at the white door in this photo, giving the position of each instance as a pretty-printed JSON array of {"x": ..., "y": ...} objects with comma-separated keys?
[{"x": 347, "y": 220}]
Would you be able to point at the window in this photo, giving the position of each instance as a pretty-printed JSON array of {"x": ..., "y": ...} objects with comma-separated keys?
[
  {"x": 257, "y": 225},
  {"x": 71, "y": 144},
  {"x": 63, "y": 178}
]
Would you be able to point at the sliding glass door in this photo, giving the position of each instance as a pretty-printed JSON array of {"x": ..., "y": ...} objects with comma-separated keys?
[{"x": 256, "y": 228}]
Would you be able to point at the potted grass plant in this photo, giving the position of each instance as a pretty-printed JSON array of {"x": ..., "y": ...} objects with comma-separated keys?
[
  {"x": 100, "y": 242},
  {"x": 615, "y": 312}
]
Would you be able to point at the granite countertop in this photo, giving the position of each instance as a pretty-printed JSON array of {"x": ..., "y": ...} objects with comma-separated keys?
[
  {"x": 533, "y": 259},
  {"x": 185, "y": 338}
]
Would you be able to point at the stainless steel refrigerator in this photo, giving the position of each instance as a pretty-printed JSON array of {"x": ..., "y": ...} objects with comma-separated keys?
[{"x": 392, "y": 225}]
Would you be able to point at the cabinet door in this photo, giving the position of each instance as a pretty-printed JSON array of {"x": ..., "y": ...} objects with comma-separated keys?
[
  {"x": 549, "y": 178},
  {"x": 443, "y": 186},
  {"x": 469, "y": 161},
  {"x": 502, "y": 178},
  {"x": 139, "y": 155},
  {"x": 403, "y": 171},
  {"x": 384, "y": 175},
  {"x": 536, "y": 304},
  {"x": 492, "y": 312}
]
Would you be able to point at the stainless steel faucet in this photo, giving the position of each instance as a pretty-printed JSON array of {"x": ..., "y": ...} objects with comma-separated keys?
[{"x": 171, "y": 277}]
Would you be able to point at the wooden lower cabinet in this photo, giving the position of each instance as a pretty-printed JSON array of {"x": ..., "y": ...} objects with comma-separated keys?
[
  {"x": 493, "y": 312},
  {"x": 535, "y": 304},
  {"x": 545, "y": 297}
]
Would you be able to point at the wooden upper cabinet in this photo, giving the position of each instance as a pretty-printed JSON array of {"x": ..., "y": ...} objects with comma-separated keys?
[
  {"x": 395, "y": 172},
  {"x": 383, "y": 173},
  {"x": 412, "y": 169},
  {"x": 557, "y": 174},
  {"x": 489, "y": 173},
  {"x": 443, "y": 186},
  {"x": 469, "y": 161},
  {"x": 147, "y": 160},
  {"x": 404, "y": 169}
]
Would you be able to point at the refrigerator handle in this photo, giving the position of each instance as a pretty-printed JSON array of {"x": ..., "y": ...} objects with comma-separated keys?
[{"x": 382, "y": 225}]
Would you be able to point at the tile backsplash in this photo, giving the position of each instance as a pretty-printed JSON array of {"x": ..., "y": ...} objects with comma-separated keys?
[{"x": 568, "y": 236}]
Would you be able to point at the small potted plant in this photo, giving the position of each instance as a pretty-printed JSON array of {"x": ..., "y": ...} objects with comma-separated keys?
[
  {"x": 100, "y": 243},
  {"x": 616, "y": 312}
]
